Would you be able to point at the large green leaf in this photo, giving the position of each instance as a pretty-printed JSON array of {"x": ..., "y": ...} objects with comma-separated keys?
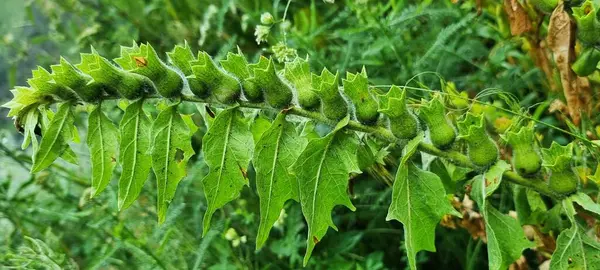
[
  {"x": 322, "y": 171},
  {"x": 56, "y": 138},
  {"x": 276, "y": 150},
  {"x": 574, "y": 248},
  {"x": 505, "y": 237},
  {"x": 419, "y": 202},
  {"x": 103, "y": 141},
  {"x": 227, "y": 148},
  {"x": 171, "y": 150},
  {"x": 135, "y": 128}
]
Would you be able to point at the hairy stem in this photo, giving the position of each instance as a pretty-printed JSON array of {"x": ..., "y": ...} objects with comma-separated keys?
[{"x": 382, "y": 133}]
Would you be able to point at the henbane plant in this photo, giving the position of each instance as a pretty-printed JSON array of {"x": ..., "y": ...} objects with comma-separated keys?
[{"x": 290, "y": 165}]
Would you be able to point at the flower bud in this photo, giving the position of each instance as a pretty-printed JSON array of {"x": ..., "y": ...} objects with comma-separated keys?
[{"x": 266, "y": 18}]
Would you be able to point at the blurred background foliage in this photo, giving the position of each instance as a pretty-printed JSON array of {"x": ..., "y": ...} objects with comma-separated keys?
[{"x": 48, "y": 221}]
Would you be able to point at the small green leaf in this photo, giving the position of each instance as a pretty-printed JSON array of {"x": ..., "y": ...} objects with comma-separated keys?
[
  {"x": 506, "y": 239},
  {"x": 29, "y": 123},
  {"x": 237, "y": 65},
  {"x": 181, "y": 56},
  {"x": 69, "y": 156},
  {"x": 322, "y": 171},
  {"x": 493, "y": 178},
  {"x": 419, "y": 202},
  {"x": 586, "y": 202},
  {"x": 171, "y": 149},
  {"x": 259, "y": 125},
  {"x": 103, "y": 141},
  {"x": 135, "y": 130},
  {"x": 557, "y": 156},
  {"x": 55, "y": 139},
  {"x": 23, "y": 97},
  {"x": 276, "y": 150},
  {"x": 227, "y": 151}
]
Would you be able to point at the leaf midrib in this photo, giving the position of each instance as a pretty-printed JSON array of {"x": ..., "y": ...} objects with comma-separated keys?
[
  {"x": 272, "y": 178},
  {"x": 58, "y": 134},
  {"x": 135, "y": 154},
  {"x": 101, "y": 137},
  {"x": 166, "y": 169},
  {"x": 225, "y": 144},
  {"x": 409, "y": 244},
  {"x": 318, "y": 178}
]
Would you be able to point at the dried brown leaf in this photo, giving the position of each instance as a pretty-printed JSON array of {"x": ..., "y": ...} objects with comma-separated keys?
[
  {"x": 561, "y": 40},
  {"x": 517, "y": 17}
]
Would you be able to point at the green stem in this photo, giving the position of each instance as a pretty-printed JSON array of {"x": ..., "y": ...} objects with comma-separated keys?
[{"x": 382, "y": 133}]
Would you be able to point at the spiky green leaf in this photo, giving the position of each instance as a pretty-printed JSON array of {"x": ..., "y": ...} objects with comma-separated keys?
[
  {"x": 505, "y": 237},
  {"x": 135, "y": 128},
  {"x": 322, "y": 170},
  {"x": 56, "y": 138},
  {"x": 419, "y": 202},
  {"x": 276, "y": 150},
  {"x": 574, "y": 248},
  {"x": 103, "y": 141},
  {"x": 171, "y": 150},
  {"x": 237, "y": 65},
  {"x": 227, "y": 148}
]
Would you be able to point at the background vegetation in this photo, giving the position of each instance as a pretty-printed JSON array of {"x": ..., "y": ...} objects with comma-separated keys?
[{"x": 479, "y": 49}]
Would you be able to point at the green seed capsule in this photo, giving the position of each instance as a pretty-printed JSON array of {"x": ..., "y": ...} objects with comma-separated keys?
[
  {"x": 133, "y": 86},
  {"x": 441, "y": 131},
  {"x": 557, "y": 160},
  {"x": 237, "y": 65},
  {"x": 563, "y": 182},
  {"x": 198, "y": 88},
  {"x": 144, "y": 60},
  {"x": 277, "y": 94},
  {"x": 171, "y": 84},
  {"x": 228, "y": 90},
  {"x": 91, "y": 92},
  {"x": 252, "y": 92},
  {"x": 225, "y": 88},
  {"x": 333, "y": 105},
  {"x": 403, "y": 123},
  {"x": 482, "y": 150},
  {"x": 115, "y": 80},
  {"x": 181, "y": 57},
  {"x": 588, "y": 25},
  {"x": 526, "y": 159},
  {"x": 298, "y": 73},
  {"x": 586, "y": 62},
  {"x": 42, "y": 81},
  {"x": 356, "y": 87},
  {"x": 67, "y": 75}
]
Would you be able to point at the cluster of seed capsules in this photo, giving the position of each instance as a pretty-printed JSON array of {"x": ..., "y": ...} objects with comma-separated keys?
[{"x": 140, "y": 72}]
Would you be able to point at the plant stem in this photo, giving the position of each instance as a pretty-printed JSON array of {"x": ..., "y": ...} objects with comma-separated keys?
[{"x": 384, "y": 134}]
